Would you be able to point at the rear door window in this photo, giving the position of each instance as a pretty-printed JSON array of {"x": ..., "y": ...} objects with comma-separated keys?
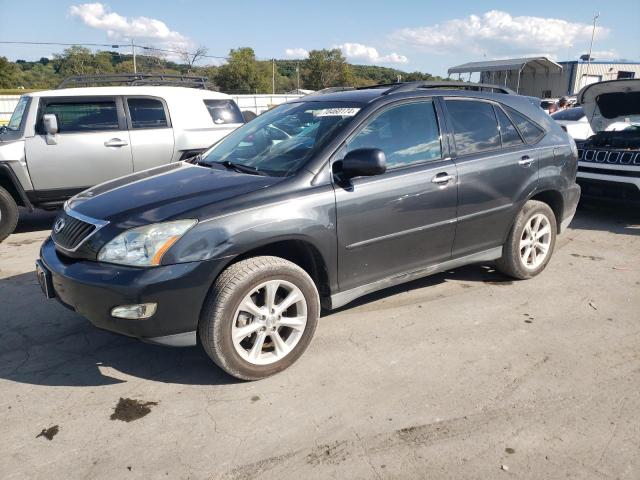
[
  {"x": 84, "y": 116},
  {"x": 224, "y": 111},
  {"x": 508, "y": 133},
  {"x": 147, "y": 113},
  {"x": 475, "y": 128},
  {"x": 529, "y": 130}
]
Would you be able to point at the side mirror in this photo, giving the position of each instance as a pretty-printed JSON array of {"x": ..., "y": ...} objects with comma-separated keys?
[
  {"x": 50, "y": 123},
  {"x": 364, "y": 162}
]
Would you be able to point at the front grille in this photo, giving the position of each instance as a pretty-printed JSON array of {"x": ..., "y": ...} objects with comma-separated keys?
[
  {"x": 69, "y": 232},
  {"x": 615, "y": 157}
]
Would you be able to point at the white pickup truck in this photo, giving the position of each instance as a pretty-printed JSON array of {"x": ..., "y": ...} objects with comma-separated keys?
[{"x": 60, "y": 142}]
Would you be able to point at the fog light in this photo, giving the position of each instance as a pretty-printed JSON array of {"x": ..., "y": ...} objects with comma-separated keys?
[{"x": 134, "y": 312}]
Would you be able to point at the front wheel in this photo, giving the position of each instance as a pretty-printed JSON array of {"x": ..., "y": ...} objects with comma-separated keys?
[
  {"x": 530, "y": 243},
  {"x": 259, "y": 317},
  {"x": 8, "y": 214}
]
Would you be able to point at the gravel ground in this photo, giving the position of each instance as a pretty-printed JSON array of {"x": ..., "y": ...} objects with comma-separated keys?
[{"x": 462, "y": 375}]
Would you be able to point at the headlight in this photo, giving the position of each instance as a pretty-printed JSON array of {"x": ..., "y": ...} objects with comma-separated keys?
[{"x": 144, "y": 246}]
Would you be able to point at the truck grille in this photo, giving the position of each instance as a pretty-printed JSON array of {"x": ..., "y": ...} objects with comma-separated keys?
[
  {"x": 69, "y": 232},
  {"x": 615, "y": 157}
]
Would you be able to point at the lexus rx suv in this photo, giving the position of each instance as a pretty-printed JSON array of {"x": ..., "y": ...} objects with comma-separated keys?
[{"x": 308, "y": 207}]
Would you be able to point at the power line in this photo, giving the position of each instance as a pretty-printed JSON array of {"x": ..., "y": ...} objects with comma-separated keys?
[{"x": 116, "y": 45}]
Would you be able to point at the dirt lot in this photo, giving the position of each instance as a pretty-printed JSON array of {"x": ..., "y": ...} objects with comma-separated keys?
[{"x": 462, "y": 375}]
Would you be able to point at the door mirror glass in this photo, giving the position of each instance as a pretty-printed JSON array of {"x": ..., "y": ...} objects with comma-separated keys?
[
  {"x": 364, "y": 162},
  {"x": 50, "y": 123}
]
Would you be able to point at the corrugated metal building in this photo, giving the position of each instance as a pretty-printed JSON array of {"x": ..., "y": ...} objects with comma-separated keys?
[{"x": 541, "y": 77}]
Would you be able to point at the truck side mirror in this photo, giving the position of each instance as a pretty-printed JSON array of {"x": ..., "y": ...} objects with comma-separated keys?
[{"x": 50, "y": 124}]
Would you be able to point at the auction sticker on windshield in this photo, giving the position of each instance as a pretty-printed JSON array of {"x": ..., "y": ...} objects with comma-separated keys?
[{"x": 336, "y": 112}]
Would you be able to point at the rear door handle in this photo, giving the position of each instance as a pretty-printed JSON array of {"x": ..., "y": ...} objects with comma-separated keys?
[
  {"x": 115, "y": 142},
  {"x": 525, "y": 161},
  {"x": 442, "y": 178}
]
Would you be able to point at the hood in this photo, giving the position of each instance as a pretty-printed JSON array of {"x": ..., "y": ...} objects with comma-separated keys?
[
  {"x": 164, "y": 193},
  {"x": 614, "y": 101}
]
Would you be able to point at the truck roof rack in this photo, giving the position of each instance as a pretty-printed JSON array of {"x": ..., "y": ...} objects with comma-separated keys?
[
  {"x": 444, "y": 85},
  {"x": 136, "y": 79}
]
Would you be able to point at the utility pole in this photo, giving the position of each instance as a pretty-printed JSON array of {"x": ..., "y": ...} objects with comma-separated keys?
[
  {"x": 273, "y": 76},
  {"x": 133, "y": 50},
  {"x": 593, "y": 32}
]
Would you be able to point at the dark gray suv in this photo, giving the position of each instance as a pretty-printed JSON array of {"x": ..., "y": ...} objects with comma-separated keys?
[{"x": 315, "y": 203}]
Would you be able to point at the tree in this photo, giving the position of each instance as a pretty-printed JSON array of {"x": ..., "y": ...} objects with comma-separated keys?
[
  {"x": 326, "y": 68},
  {"x": 77, "y": 60},
  {"x": 9, "y": 74},
  {"x": 190, "y": 58},
  {"x": 242, "y": 73}
]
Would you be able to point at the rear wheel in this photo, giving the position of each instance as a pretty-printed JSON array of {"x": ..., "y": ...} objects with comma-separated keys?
[
  {"x": 530, "y": 243},
  {"x": 8, "y": 214},
  {"x": 259, "y": 317}
]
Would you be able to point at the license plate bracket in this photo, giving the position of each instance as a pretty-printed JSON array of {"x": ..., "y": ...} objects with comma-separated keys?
[{"x": 44, "y": 279}]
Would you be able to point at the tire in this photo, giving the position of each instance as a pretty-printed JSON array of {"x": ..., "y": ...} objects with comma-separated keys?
[
  {"x": 517, "y": 261},
  {"x": 248, "y": 282},
  {"x": 8, "y": 214},
  {"x": 248, "y": 115}
]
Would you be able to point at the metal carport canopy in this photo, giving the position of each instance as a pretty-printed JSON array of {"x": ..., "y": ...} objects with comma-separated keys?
[{"x": 535, "y": 63}]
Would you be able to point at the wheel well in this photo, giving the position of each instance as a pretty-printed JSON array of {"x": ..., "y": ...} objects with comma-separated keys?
[
  {"x": 554, "y": 199},
  {"x": 300, "y": 252},
  {"x": 7, "y": 184}
]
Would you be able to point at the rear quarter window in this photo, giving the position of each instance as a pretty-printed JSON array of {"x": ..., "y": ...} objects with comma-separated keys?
[
  {"x": 224, "y": 111},
  {"x": 530, "y": 130}
]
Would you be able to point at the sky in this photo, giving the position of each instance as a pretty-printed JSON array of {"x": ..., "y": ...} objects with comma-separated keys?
[{"x": 409, "y": 35}]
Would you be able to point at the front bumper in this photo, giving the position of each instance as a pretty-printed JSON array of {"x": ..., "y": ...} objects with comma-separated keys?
[{"x": 92, "y": 289}]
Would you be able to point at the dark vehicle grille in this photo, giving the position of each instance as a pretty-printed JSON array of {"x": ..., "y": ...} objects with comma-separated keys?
[
  {"x": 72, "y": 233},
  {"x": 612, "y": 157}
]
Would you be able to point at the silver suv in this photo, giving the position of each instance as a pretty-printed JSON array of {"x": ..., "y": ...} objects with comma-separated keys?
[{"x": 61, "y": 142}]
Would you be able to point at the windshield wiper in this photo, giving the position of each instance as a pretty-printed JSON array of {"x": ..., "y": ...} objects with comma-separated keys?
[{"x": 238, "y": 167}]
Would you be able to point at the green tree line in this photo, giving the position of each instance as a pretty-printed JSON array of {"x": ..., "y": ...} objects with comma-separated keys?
[{"x": 242, "y": 73}]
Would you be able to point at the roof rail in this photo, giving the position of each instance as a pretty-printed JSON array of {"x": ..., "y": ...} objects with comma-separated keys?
[
  {"x": 444, "y": 85},
  {"x": 135, "y": 79},
  {"x": 330, "y": 90}
]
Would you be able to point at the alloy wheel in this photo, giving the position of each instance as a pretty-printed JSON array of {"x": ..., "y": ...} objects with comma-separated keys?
[
  {"x": 535, "y": 241},
  {"x": 269, "y": 322}
]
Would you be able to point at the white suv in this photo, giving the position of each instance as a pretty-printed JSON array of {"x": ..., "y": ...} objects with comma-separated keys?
[{"x": 60, "y": 142}]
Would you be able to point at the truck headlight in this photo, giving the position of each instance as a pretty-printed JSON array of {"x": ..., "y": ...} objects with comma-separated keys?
[{"x": 144, "y": 246}]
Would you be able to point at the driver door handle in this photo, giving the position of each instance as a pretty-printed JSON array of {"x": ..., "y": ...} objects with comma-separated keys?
[
  {"x": 442, "y": 178},
  {"x": 115, "y": 142},
  {"x": 525, "y": 161}
]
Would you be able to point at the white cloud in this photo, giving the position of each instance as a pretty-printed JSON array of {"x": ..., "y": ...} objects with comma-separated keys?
[
  {"x": 364, "y": 53},
  {"x": 156, "y": 32},
  {"x": 296, "y": 53},
  {"x": 497, "y": 33}
]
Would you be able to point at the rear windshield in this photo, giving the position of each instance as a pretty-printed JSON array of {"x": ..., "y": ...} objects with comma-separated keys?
[
  {"x": 569, "y": 114},
  {"x": 224, "y": 111}
]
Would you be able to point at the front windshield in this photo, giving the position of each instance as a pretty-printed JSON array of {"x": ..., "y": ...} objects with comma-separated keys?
[
  {"x": 280, "y": 141},
  {"x": 18, "y": 113}
]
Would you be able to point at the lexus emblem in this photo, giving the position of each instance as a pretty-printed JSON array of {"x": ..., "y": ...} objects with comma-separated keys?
[{"x": 59, "y": 225}]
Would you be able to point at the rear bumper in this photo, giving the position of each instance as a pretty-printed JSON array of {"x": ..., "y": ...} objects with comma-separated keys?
[
  {"x": 571, "y": 199},
  {"x": 92, "y": 289}
]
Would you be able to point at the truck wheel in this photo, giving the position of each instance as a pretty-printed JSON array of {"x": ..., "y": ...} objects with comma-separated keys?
[
  {"x": 8, "y": 214},
  {"x": 530, "y": 243},
  {"x": 259, "y": 317}
]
